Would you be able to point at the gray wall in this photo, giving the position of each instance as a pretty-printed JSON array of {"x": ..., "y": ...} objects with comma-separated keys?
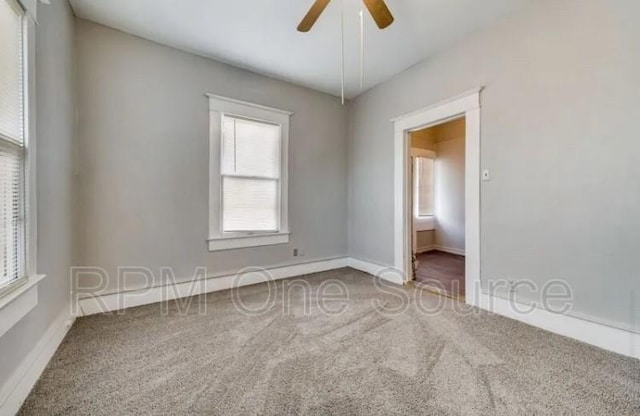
[
  {"x": 55, "y": 108},
  {"x": 143, "y": 158},
  {"x": 559, "y": 132}
]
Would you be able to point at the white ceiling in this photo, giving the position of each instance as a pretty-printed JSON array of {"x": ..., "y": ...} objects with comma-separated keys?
[{"x": 260, "y": 35}]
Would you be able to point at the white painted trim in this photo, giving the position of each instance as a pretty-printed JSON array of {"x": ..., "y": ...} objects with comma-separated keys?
[
  {"x": 600, "y": 335},
  {"x": 31, "y": 138},
  {"x": 244, "y": 104},
  {"x": 450, "y": 250},
  {"x": 27, "y": 257},
  {"x": 472, "y": 202},
  {"x": 437, "y": 247},
  {"x": 424, "y": 224},
  {"x": 220, "y": 244},
  {"x": 426, "y": 249},
  {"x": 417, "y": 152},
  {"x": 31, "y": 7},
  {"x": 218, "y": 107},
  {"x": 17, "y": 387},
  {"x": 18, "y": 302},
  {"x": 383, "y": 272},
  {"x": 458, "y": 98},
  {"x": 117, "y": 301},
  {"x": 603, "y": 336},
  {"x": 466, "y": 105}
]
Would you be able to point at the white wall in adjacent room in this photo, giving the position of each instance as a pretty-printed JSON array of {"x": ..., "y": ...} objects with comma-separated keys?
[{"x": 449, "y": 194}]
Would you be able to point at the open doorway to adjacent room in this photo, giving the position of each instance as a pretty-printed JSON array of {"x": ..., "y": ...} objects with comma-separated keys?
[{"x": 437, "y": 156}]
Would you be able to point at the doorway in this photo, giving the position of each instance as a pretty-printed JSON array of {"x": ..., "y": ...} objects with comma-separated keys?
[
  {"x": 465, "y": 106},
  {"x": 437, "y": 209}
]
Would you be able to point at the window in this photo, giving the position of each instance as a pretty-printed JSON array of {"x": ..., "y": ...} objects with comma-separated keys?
[
  {"x": 12, "y": 144},
  {"x": 424, "y": 168},
  {"x": 248, "y": 175}
]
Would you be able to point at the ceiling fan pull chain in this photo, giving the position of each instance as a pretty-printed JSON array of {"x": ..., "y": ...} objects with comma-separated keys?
[{"x": 342, "y": 46}]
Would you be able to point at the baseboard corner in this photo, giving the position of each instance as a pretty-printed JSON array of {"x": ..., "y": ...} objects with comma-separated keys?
[
  {"x": 386, "y": 273},
  {"x": 18, "y": 386}
]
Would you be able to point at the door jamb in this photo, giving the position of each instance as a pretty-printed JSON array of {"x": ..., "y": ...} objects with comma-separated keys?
[{"x": 465, "y": 105}]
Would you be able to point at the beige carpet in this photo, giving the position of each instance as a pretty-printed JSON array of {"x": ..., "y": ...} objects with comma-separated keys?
[{"x": 358, "y": 363}]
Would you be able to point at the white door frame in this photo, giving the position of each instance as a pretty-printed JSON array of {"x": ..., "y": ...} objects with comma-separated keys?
[{"x": 465, "y": 105}]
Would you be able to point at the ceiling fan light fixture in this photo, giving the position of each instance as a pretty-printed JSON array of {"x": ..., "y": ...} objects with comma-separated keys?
[{"x": 377, "y": 8}]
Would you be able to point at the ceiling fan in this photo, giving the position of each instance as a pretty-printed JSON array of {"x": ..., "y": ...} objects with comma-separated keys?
[{"x": 377, "y": 8}]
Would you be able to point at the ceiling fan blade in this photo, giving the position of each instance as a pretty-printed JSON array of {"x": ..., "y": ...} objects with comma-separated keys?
[
  {"x": 380, "y": 12},
  {"x": 314, "y": 13}
]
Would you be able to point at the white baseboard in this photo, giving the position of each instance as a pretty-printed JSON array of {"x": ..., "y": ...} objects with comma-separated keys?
[
  {"x": 450, "y": 250},
  {"x": 384, "y": 272},
  {"x": 603, "y": 336},
  {"x": 426, "y": 249},
  {"x": 116, "y": 301},
  {"x": 606, "y": 337},
  {"x": 16, "y": 389},
  {"x": 18, "y": 303}
]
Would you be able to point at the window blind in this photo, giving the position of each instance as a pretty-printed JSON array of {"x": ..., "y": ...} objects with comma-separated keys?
[
  {"x": 250, "y": 170},
  {"x": 12, "y": 151},
  {"x": 425, "y": 186}
]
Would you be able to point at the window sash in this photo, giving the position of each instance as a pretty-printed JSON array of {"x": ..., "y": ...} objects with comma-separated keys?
[
  {"x": 278, "y": 217},
  {"x": 275, "y": 178},
  {"x": 13, "y": 168},
  {"x": 225, "y": 116}
]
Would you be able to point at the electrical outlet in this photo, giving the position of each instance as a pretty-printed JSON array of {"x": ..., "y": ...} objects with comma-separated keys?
[
  {"x": 295, "y": 252},
  {"x": 298, "y": 252}
]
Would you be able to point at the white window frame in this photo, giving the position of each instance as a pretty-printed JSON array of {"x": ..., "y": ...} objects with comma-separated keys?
[
  {"x": 426, "y": 222},
  {"x": 21, "y": 295},
  {"x": 219, "y": 107}
]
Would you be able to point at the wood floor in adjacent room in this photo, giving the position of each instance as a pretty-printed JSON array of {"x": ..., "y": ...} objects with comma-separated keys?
[
  {"x": 385, "y": 353},
  {"x": 442, "y": 271}
]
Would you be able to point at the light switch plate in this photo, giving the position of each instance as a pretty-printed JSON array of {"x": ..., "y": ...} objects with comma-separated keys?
[{"x": 486, "y": 175}]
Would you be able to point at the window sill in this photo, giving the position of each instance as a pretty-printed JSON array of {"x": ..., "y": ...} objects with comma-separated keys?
[
  {"x": 16, "y": 303},
  {"x": 427, "y": 223},
  {"x": 231, "y": 243}
]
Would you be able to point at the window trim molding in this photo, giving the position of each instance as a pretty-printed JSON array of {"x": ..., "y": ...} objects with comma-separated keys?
[
  {"x": 19, "y": 297},
  {"x": 30, "y": 174},
  {"x": 218, "y": 106},
  {"x": 425, "y": 222}
]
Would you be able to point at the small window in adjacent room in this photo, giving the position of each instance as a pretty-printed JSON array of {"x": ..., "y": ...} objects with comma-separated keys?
[
  {"x": 12, "y": 145},
  {"x": 248, "y": 175},
  {"x": 424, "y": 185}
]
